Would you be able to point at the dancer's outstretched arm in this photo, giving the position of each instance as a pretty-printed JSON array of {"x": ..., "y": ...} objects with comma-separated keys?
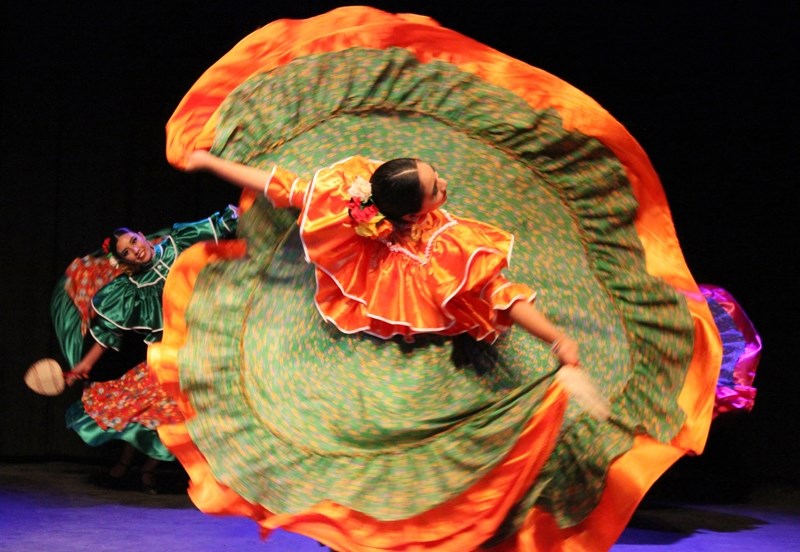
[
  {"x": 537, "y": 324},
  {"x": 243, "y": 176}
]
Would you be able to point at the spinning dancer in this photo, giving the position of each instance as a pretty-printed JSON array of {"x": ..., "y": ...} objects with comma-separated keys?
[{"x": 354, "y": 377}]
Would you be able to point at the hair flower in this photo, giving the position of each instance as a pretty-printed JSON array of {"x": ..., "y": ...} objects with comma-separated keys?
[
  {"x": 107, "y": 245},
  {"x": 360, "y": 189},
  {"x": 368, "y": 220}
]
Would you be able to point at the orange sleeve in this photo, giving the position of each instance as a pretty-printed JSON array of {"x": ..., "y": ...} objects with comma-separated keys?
[
  {"x": 285, "y": 189},
  {"x": 502, "y": 294}
]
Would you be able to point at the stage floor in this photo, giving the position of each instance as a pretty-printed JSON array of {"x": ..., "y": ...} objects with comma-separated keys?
[{"x": 60, "y": 507}]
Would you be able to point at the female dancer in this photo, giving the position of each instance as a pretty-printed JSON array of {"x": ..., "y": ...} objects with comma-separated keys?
[
  {"x": 114, "y": 301},
  {"x": 412, "y": 414},
  {"x": 362, "y": 282}
]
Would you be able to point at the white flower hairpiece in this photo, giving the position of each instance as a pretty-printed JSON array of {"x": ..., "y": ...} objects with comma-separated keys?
[
  {"x": 360, "y": 189},
  {"x": 368, "y": 222}
]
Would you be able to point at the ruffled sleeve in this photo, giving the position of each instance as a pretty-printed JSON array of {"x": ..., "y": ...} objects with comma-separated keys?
[
  {"x": 468, "y": 263},
  {"x": 285, "y": 189},
  {"x": 446, "y": 280},
  {"x": 122, "y": 306}
]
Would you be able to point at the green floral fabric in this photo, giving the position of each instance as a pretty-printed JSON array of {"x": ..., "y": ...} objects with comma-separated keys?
[{"x": 291, "y": 412}]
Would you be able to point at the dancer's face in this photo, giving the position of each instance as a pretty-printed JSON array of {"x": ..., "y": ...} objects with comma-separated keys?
[
  {"x": 134, "y": 249},
  {"x": 434, "y": 188}
]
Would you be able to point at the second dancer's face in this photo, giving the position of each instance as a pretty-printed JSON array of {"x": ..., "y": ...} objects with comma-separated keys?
[
  {"x": 134, "y": 249},
  {"x": 434, "y": 188}
]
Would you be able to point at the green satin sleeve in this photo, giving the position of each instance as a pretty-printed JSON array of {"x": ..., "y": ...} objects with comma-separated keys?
[
  {"x": 122, "y": 306},
  {"x": 67, "y": 323},
  {"x": 219, "y": 226}
]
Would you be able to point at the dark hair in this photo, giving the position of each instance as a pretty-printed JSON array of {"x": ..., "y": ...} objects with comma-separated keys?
[
  {"x": 396, "y": 189},
  {"x": 112, "y": 241}
]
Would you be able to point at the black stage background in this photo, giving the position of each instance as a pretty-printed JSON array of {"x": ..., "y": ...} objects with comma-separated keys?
[{"x": 707, "y": 88}]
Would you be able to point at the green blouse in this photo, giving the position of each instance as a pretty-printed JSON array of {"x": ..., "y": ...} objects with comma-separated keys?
[{"x": 133, "y": 302}]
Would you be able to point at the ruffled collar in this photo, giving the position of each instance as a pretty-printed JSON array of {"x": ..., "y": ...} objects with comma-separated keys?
[
  {"x": 417, "y": 240},
  {"x": 158, "y": 252}
]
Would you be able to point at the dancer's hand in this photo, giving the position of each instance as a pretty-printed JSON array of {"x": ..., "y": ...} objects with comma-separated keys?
[
  {"x": 79, "y": 372},
  {"x": 566, "y": 351}
]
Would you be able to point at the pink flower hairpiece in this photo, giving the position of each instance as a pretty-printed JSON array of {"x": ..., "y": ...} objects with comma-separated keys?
[{"x": 369, "y": 222}]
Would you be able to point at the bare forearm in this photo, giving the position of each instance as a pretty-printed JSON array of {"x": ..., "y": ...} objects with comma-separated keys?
[
  {"x": 534, "y": 322},
  {"x": 243, "y": 176},
  {"x": 82, "y": 369},
  {"x": 538, "y": 325},
  {"x": 94, "y": 354}
]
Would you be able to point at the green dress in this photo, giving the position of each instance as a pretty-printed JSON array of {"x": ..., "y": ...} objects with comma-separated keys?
[
  {"x": 129, "y": 304},
  {"x": 132, "y": 303}
]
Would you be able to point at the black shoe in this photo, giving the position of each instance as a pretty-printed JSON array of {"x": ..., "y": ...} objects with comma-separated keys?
[
  {"x": 149, "y": 482},
  {"x": 118, "y": 477}
]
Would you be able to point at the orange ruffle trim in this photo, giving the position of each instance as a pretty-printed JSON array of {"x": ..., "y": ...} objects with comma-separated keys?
[
  {"x": 459, "y": 524},
  {"x": 446, "y": 281},
  {"x": 192, "y": 126}
]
